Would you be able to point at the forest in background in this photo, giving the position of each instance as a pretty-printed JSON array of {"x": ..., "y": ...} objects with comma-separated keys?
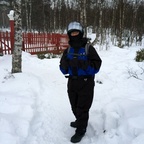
[{"x": 122, "y": 19}]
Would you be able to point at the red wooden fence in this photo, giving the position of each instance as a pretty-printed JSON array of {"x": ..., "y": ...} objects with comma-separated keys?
[
  {"x": 5, "y": 43},
  {"x": 35, "y": 43}
]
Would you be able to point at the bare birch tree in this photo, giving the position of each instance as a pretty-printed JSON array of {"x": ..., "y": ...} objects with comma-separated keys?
[
  {"x": 54, "y": 15},
  {"x": 121, "y": 10},
  {"x": 83, "y": 17},
  {"x": 26, "y": 13},
  {"x": 136, "y": 5},
  {"x": 114, "y": 7},
  {"x": 17, "y": 53},
  {"x": 99, "y": 34}
]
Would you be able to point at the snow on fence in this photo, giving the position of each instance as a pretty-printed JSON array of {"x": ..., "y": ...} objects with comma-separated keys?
[{"x": 35, "y": 43}]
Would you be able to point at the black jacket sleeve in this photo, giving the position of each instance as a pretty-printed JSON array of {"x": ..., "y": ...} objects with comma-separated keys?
[
  {"x": 93, "y": 58},
  {"x": 64, "y": 62}
]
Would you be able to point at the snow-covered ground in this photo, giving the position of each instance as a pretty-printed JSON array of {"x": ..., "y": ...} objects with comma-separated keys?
[{"x": 34, "y": 107}]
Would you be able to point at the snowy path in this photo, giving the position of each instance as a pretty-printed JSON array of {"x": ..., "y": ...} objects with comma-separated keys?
[{"x": 51, "y": 120}]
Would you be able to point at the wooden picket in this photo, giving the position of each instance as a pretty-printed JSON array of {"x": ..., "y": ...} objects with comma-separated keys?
[
  {"x": 35, "y": 43},
  {"x": 5, "y": 43}
]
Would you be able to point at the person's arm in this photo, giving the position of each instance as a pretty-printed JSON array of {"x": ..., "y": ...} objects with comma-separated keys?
[
  {"x": 64, "y": 63},
  {"x": 92, "y": 65},
  {"x": 94, "y": 59}
]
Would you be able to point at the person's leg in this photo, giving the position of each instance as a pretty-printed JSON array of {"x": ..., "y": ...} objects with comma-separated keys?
[
  {"x": 72, "y": 95},
  {"x": 84, "y": 102}
]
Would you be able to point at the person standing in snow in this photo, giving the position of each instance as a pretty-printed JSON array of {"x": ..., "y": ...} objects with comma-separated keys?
[{"x": 80, "y": 69}]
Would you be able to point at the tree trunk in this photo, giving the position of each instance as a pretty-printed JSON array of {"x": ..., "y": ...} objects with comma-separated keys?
[
  {"x": 83, "y": 16},
  {"x": 121, "y": 24},
  {"x": 17, "y": 53},
  {"x": 27, "y": 18},
  {"x": 133, "y": 29},
  {"x": 30, "y": 13},
  {"x": 99, "y": 32},
  {"x": 54, "y": 16},
  {"x": 113, "y": 29},
  {"x": 44, "y": 17}
]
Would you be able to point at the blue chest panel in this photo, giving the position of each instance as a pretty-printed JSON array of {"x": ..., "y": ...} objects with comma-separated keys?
[{"x": 80, "y": 55}]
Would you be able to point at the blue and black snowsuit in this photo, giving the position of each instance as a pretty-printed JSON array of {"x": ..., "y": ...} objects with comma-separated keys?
[{"x": 81, "y": 68}]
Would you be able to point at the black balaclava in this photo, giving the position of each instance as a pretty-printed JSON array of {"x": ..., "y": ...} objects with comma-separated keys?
[{"x": 76, "y": 41}]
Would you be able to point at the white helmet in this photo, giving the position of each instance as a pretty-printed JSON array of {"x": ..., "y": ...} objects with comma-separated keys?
[{"x": 74, "y": 26}]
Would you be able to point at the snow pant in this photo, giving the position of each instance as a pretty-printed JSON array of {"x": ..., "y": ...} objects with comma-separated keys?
[{"x": 80, "y": 92}]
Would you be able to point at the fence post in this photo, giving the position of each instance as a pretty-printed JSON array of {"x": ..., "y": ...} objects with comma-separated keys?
[
  {"x": 57, "y": 43},
  {"x": 11, "y": 18}
]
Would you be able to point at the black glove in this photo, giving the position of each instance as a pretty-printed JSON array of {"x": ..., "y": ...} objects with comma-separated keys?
[{"x": 83, "y": 64}]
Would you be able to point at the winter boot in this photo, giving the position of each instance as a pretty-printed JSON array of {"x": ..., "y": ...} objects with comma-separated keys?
[
  {"x": 78, "y": 136},
  {"x": 73, "y": 124}
]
